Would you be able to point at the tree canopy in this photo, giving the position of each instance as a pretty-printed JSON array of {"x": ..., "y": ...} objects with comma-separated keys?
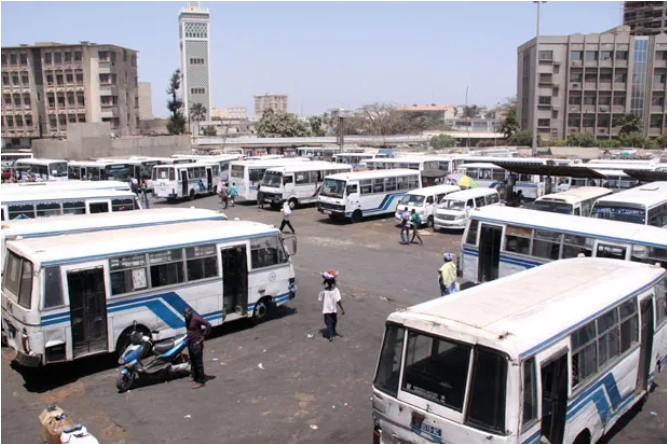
[
  {"x": 176, "y": 124},
  {"x": 280, "y": 124},
  {"x": 442, "y": 141}
]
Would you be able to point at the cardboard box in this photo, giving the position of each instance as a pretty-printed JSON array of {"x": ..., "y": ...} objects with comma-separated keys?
[{"x": 53, "y": 421}]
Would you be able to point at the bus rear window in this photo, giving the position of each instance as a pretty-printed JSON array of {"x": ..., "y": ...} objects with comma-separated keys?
[
  {"x": 17, "y": 278},
  {"x": 389, "y": 368},
  {"x": 486, "y": 408},
  {"x": 621, "y": 214}
]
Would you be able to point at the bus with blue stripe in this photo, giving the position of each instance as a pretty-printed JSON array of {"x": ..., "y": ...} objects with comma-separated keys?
[
  {"x": 499, "y": 241},
  {"x": 360, "y": 194},
  {"x": 186, "y": 180},
  {"x": 69, "y": 296},
  {"x": 556, "y": 354}
]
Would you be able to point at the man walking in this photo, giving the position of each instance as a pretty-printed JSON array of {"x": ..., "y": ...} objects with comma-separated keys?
[
  {"x": 233, "y": 192},
  {"x": 405, "y": 226},
  {"x": 330, "y": 298},
  {"x": 197, "y": 328},
  {"x": 260, "y": 197},
  {"x": 286, "y": 215},
  {"x": 415, "y": 223},
  {"x": 224, "y": 195},
  {"x": 447, "y": 276}
]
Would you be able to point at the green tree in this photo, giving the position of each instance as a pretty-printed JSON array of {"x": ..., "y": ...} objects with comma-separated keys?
[
  {"x": 442, "y": 141},
  {"x": 316, "y": 123},
  {"x": 209, "y": 131},
  {"x": 471, "y": 112},
  {"x": 381, "y": 119},
  {"x": 280, "y": 124},
  {"x": 557, "y": 142},
  {"x": 650, "y": 143},
  {"x": 608, "y": 143},
  {"x": 176, "y": 124},
  {"x": 197, "y": 112},
  {"x": 634, "y": 139},
  {"x": 662, "y": 141},
  {"x": 585, "y": 140},
  {"x": 629, "y": 124},
  {"x": 510, "y": 125},
  {"x": 523, "y": 138}
]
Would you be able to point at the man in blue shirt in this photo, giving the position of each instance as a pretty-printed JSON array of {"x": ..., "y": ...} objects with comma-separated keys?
[{"x": 233, "y": 192}]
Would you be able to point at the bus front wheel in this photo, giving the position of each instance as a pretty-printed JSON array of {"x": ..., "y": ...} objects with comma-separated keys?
[
  {"x": 192, "y": 195},
  {"x": 356, "y": 216},
  {"x": 262, "y": 311}
]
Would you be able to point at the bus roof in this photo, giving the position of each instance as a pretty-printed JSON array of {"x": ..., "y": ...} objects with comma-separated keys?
[
  {"x": 527, "y": 311},
  {"x": 582, "y": 226},
  {"x": 64, "y": 185},
  {"x": 435, "y": 189},
  {"x": 48, "y": 226},
  {"x": 471, "y": 193},
  {"x": 575, "y": 195},
  {"x": 308, "y": 166},
  {"x": 480, "y": 165},
  {"x": 374, "y": 174},
  {"x": 650, "y": 194},
  {"x": 38, "y": 161},
  {"x": 405, "y": 159},
  {"x": 264, "y": 163},
  {"x": 100, "y": 163},
  {"x": 91, "y": 246},
  {"x": 66, "y": 194}
]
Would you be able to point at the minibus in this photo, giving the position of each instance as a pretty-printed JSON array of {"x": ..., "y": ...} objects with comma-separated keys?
[
  {"x": 645, "y": 205},
  {"x": 576, "y": 201},
  {"x": 424, "y": 201},
  {"x": 452, "y": 211}
]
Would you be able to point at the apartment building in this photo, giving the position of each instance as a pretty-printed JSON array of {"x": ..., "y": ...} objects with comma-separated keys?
[
  {"x": 586, "y": 83},
  {"x": 47, "y": 86},
  {"x": 276, "y": 102},
  {"x": 645, "y": 18}
]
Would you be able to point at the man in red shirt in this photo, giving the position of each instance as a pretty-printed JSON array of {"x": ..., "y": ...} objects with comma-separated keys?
[{"x": 197, "y": 328}]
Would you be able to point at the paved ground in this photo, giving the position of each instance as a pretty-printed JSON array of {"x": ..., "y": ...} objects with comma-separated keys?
[{"x": 302, "y": 382}]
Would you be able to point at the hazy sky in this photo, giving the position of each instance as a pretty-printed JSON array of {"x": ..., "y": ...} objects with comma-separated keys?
[{"x": 323, "y": 54}]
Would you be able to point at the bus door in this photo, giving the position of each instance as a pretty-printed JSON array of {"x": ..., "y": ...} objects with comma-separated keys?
[
  {"x": 209, "y": 179},
  {"x": 234, "y": 279},
  {"x": 86, "y": 288},
  {"x": 185, "y": 192},
  {"x": 611, "y": 250},
  {"x": 98, "y": 206},
  {"x": 352, "y": 194},
  {"x": 554, "y": 397},
  {"x": 489, "y": 252},
  {"x": 647, "y": 332}
]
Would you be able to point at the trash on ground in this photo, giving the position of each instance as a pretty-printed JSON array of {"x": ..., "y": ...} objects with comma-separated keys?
[
  {"x": 215, "y": 359},
  {"x": 314, "y": 427},
  {"x": 260, "y": 366},
  {"x": 264, "y": 351},
  {"x": 654, "y": 414},
  {"x": 310, "y": 335},
  {"x": 187, "y": 416}
]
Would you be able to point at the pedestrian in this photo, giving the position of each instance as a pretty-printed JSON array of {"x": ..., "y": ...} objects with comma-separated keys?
[
  {"x": 405, "y": 226},
  {"x": 260, "y": 197},
  {"x": 221, "y": 185},
  {"x": 197, "y": 329},
  {"x": 286, "y": 217},
  {"x": 415, "y": 222},
  {"x": 233, "y": 192},
  {"x": 144, "y": 194},
  {"x": 330, "y": 298},
  {"x": 224, "y": 195},
  {"x": 447, "y": 276},
  {"x": 134, "y": 184}
]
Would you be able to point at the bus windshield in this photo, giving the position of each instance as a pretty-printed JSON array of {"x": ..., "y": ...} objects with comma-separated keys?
[
  {"x": 333, "y": 188},
  {"x": 612, "y": 211},
  {"x": 413, "y": 200},
  {"x": 58, "y": 169},
  {"x": 272, "y": 179},
  {"x": 119, "y": 172},
  {"x": 554, "y": 207},
  {"x": 452, "y": 204},
  {"x": 237, "y": 171}
]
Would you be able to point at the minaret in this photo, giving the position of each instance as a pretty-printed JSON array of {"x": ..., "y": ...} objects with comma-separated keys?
[{"x": 194, "y": 35}]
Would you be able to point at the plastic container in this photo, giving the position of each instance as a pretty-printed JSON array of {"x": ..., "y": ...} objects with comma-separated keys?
[{"x": 77, "y": 435}]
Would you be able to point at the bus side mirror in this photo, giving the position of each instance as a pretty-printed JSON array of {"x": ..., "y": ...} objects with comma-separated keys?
[{"x": 290, "y": 244}]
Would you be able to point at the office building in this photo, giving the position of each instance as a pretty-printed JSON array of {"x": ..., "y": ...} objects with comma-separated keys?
[
  {"x": 194, "y": 32},
  {"x": 47, "y": 86},
  {"x": 587, "y": 83},
  {"x": 276, "y": 102},
  {"x": 645, "y": 18}
]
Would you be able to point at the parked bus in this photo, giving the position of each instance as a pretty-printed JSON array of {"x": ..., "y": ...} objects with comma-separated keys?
[
  {"x": 452, "y": 212},
  {"x": 575, "y": 202},
  {"x": 123, "y": 170},
  {"x": 7, "y": 159},
  {"x": 500, "y": 241},
  {"x": 67, "y": 202},
  {"x": 79, "y": 294},
  {"x": 317, "y": 152},
  {"x": 69, "y": 224},
  {"x": 365, "y": 193},
  {"x": 223, "y": 160},
  {"x": 11, "y": 189},
  {"x": 424, "y": 201},
  {"x": 356, "y": 159},
  {"x": 645, "y": 205},
  {"x": 247, "y": 174},
  {"x": 40, "y": 169},
  {"x": 490, "y": 175},
  {"x": 186, "y": 180},
  {"x": 557, "y": 355},
  {"x": 419, "y": 163},
  {"x": 298, "y": 183}
]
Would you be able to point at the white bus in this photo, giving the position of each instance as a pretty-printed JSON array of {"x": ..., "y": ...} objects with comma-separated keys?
[
  {"x": 223, "y": 160},
  {"x": 122, "y": 169},
  {"x": 500, "y": 241},
  {"x": 556, "y": 355},
  {"x": 298, "y": 183},
  {"x": 67, "y": 202},
  {"x": 11, "y": 189},
  {"x": 69, "y": 224},
  {"x": 40, "y": 169},
  {"x": 645, "y": 205},
  {"x": 576, "y": 202},
  {"x": 489, "y": 175},
  {"x": 365, "y": 193},
  {"x": 419, "y": 163},
  {"x": 186, "y": 180},
  {"x": 356, "y": 159},
  {"x": 247, "y": 174},
  {"x": 317, "y": 152},
  {"x": 8, "y": 159},
  {"x": 65, "y": 297}
]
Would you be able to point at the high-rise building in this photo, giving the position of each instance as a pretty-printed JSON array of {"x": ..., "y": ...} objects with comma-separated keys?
[
  {"x": 194, "y": 32},
  {"x": 47, "y": 86},
  {"x": 276, "y": 102},
  {"x": 645, "y": 18},
  {"x": 587, "y": 83}
]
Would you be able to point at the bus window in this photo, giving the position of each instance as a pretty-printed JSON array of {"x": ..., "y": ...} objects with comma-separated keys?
[
  {"x": 390, "y": 360},
  {"x": 471, "y": 239},
  {"x": 611, "y": 251},
  {"x": 126, "y": 204},
  {"x": 574, "y": 245},
  {"x": 98, "y": 207},
  {"x": 529, "y": 394},
  {"x": 74, "y": 207},
  {"x": 351, "y": 189},
  {"x": 20, "y": 211},
  {"x": 486, "y": 407},
  {"x": 48, "y": 209},
  {"x": 517, "y": 239},
  {"x": 546, "y": 244}
]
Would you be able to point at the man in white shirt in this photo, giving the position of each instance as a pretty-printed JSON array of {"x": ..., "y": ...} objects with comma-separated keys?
[
  {"x": 330, "y": 298},
  {"x": 286, "y": 214}
]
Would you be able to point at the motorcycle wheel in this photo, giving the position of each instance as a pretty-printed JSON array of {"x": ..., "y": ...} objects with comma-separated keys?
[{"x": 124, "y": 382}]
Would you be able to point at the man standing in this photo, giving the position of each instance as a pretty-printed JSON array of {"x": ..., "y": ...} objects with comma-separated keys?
[
  {"x": 405, "y": 226},
  {"x": 233, "y": 192},
  {"x": 415, "y": 222},
  {"x": 286, "y": 214},
  {"x": 197, "y": 328},
  {"x": 260, "y": 197},
  {"x": 224, "y": 195},
  {"x": 447, "y": 276},
  {"x": 330, "y": 298}
]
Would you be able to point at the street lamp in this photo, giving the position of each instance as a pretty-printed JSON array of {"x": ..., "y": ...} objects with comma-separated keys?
[{"x": 537, "y": 75}]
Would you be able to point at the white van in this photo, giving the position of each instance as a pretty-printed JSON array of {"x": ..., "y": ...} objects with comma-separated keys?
[
  {"x": 424, "y": 201},
  {"x": 453, "y": 210}
]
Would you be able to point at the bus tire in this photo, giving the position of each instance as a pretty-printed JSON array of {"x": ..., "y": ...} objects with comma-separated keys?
[
  {"x": 262, "y": 310},
  {"x": 583, "y": 438},
  {"x": 356, "y": 216},
  {"x": 191, "y": 196},
  {"x": 124, "y": 338},
  {"x": 429, "y": 222},
  {"x": 293, "y": 203}
]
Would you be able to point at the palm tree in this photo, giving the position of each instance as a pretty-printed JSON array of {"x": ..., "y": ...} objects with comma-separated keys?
[
  {"x": 197, "y": 112},
  {"x": 630, "y": 124}
]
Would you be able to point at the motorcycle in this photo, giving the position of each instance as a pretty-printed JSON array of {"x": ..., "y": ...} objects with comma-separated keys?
[{"x": 147, "y": 357}]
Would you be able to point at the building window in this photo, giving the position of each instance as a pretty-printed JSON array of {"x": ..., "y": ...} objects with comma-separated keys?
[
  {"x": 26, "y": 100},
  {"x": 51, "y": 99},
  {"x": 589, "y": 99},
  {"x": 68, "y": 56},
  {"x": 77, "y": 56},
  {"x": 619, "y": 100},
  {"x": 547, "y": 55},
  {"x": 17, "y": 100},
  {"x": 543, "y": 122},
  {"x": 591, "y": 77},
  {"x": 8, "y": 99},
  {"x": 49, "y": 78},
  {"x": 28, "y": 120},
  {"x": 621, "y": 77},
  {"x": 136, "y": 101},
  {"x": 19, "y": 121},
  {"x": 69, "y": 78},
  {"x": 15, "y": 78},
  {"x": 105, "y": 78},
  {"x": 589, "y": 120},
  {"x": 591, "y": 56},
  {"x": 604, "y": 100},
  {"x": 606, "y": 76},
  {"x": 59, "y": 78},
  {"x": 70, "y": 99},
  {"x": 134, "y": 60},
  {"x": 57, "y": 57},
  {"x": 62, "y": 120},
  {"x": 109, "y": 100},
  {"x": 53, "y": 124},
  {"x": 47, "y": 57},
  {"x": 9, "y": 121},
  {"x": 13, "y": 59},
  {"x": 196, "y": 61},
  {"x": 659, "y": 76},
  {"x": 79, "y": 77},
  {"x": 545, "y": 100},
  {"x": 656, "y": 121},
  {"x": 104, "y": 56},
  {"x": 658, "y": 99},
  {"x": 4, "y": 60},
  {"x": 24, "y": 59},
  {"x": 576, "y": 55},
  {"x": 25, "y": 79},
  {"x": 197, "y": 91},
  {"x": 661, "y": 55},
  {"x": 5, "y": 78},
  {"x": 621, "y": 55},
  {"x": 71, "y": 118},
  {"x": 82, "y": 118},
  {"x": 80, "y": 99},
  {"x": 604, "y": 120},
  {"x": 606, "y": 55},
  {"x": 61, "y": 99}
]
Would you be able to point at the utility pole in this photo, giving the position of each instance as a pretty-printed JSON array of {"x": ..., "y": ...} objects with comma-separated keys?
[
  {"x": 341, "y": 130},
  {"x": 537, "y": 77},
  {"x": 465, "y": 110}
]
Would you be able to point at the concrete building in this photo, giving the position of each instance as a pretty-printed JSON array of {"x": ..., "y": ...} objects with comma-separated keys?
[
  {"x": 645, "y": 18},
  {"x": 588, "y": 82},
  {"x": 47, "y": 86},
  {"x": 239, "y": 113},
  {"x": 145, "y": 101},
  {"x": 276, "y": 102},
  {"x": 194, "y": 32}
]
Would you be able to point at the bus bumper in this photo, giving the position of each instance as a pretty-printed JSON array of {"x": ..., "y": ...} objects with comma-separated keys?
[{"x": 28, "y": 360}]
